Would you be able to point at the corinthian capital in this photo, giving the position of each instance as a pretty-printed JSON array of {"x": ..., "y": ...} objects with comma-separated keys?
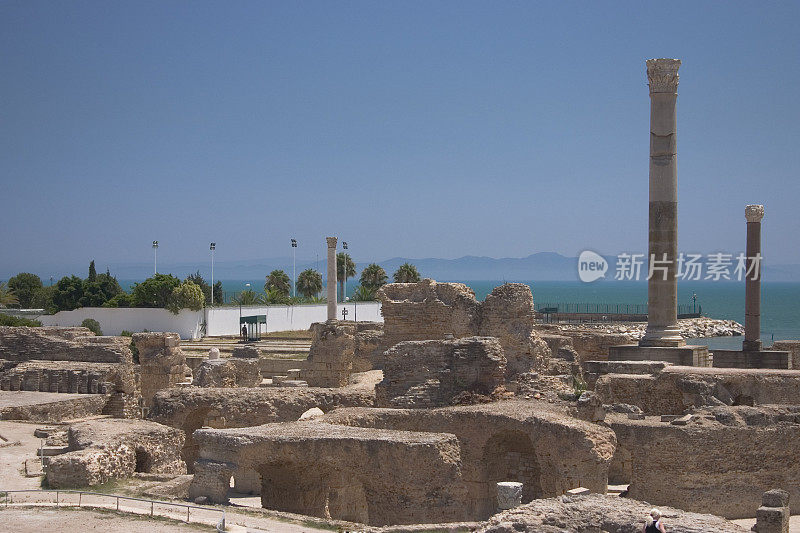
[
  {"x": 662, "y": 75},
  {"x": 754, "y": 213},
  {"x": 331, "y": 241}
]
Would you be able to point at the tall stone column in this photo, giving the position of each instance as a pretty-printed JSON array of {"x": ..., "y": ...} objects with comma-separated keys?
[
  {"x": 662, "y": 287},
  {"x": 331, "y": 277},
  {"x": 752, "y": 295}
]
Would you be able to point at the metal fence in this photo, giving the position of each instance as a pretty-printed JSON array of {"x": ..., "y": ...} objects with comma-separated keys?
[
  {"x": 605, "y": 308},
  {"x": 84, "y": 495}
]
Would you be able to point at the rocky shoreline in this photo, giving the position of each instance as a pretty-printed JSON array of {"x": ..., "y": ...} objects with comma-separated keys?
[{"x": 691, "y": 328}]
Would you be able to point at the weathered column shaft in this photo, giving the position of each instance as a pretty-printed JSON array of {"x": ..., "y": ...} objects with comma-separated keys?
[
  {"x": 331, "y": 277},
  {"x": 662, "y": 287},
  {"x": 752, "y": 295}
]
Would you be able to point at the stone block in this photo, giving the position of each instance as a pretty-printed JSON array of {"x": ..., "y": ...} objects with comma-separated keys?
[
  {"x": 775, "y": 498},
  {"x": 509, "y": 494}
]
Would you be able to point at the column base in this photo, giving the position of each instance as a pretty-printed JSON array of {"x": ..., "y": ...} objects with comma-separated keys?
[
  {"x": 666, "y": 336},
  {"x": 677, "y": 355},
  {"x": 751, "y": 346}
]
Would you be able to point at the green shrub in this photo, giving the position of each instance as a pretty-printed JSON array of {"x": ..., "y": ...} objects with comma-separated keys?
[
  {"x": 8, "y": 320},
  {"x": 122, "y": 299},
  {"x": 126, "y": 333},
  {"x": 93, "y": 325},
  {"x": 186, "y": 296}
]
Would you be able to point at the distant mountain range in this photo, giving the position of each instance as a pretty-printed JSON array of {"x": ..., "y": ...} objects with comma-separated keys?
[{"x": 542, "y": 266}]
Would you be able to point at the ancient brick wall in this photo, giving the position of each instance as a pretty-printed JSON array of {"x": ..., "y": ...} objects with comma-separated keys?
[
  {"x": 710, "y": 467},
  {"x": 793, "y": 347},
  {"x": 61, "y": 344},
  {"x": 162, "y": 362},
  {"x": 101, "y": 450},
  {"x": 430, "y": 310},
  {"x": 338, "y": 349},
  {"x": 432, "y": 373}
]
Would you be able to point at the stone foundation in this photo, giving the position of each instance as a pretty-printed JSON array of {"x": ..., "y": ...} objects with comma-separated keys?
[
  {"x": 337, "y": 472},
  {"x": 435, "y": 311},
  {"x": 162, "y": 362},
  {"x": 432, "y": 373},
  {"x": 682, "y": 355},
  {"x": 101, "y": 450}
]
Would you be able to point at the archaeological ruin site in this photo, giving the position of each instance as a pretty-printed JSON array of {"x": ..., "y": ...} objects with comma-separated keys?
[{"x": 451, "y": 414}]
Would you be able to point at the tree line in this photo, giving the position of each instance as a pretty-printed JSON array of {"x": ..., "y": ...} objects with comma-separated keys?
[{"x": 26, "y": 290}]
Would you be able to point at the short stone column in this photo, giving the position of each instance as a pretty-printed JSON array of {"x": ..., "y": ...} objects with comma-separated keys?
[
  {"x": 331, "y": 277},
  {"x": 773, "y": 515},
  {"x": 662, "y": 287},
  {"x": 509, "y": 495},
  {"x": 752, "y": 294},
  {"x": 213, "y": 354}
]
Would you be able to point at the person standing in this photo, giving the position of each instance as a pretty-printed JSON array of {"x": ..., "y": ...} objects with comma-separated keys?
[{"x": 653, "y": 523}]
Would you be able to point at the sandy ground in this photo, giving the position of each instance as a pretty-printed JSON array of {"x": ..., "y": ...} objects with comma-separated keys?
[
  {"x": 18, "y": 398},
  {"x": 17, "y": 444},
  {"x": 35, "y": 520}
]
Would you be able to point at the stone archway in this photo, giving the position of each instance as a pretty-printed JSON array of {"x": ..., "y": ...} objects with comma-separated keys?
[
  {"x": 194, "y": 420},
  {"x": 315, "y": 490},
  {"x": 144, "y": 461},
  {"x": 511, "y": 456}
]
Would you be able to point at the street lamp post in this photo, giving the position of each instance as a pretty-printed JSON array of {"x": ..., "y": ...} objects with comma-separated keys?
[
  {"x": 344, "y": 275},
  {"x": 694, "y": 303},
  {"x": 212, "y": 247},
  {"x": 155, "y": 257},
  {"x": 294, "y": 268}
]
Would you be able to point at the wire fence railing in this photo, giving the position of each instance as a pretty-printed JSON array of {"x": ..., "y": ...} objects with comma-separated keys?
[
  {"x": 131, "y": 504},
  {"x": 606, "y": 308}
]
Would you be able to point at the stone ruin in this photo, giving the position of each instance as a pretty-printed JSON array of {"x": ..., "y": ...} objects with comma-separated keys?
[
  {"x": 435, "y": 373},
  {"x": 339, "y": 349},
  {"x": 101, "y": 450},
  {"x": 429, "y": 310},
  {"x": 162, "y": 363},
  {"x": 69, "y": 360}
]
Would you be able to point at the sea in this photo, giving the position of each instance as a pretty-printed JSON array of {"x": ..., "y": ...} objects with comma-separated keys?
[{"x": 780, "y": 301}]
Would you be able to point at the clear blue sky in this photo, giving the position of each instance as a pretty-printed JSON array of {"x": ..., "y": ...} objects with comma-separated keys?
[{"x": 412, "y": 129}]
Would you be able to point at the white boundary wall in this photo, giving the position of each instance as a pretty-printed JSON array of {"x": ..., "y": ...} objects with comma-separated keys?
[
  {"x": 225, "y": 320},
  {"x": 113, "y": 321},
  {"x": 219, "y": 320}
]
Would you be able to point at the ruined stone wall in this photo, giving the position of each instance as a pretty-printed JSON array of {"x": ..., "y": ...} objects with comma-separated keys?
[
  {"x": 339, "y": 349},
  {"x": 599, "y": 512},
  {"x": 675, "y": 389},
  {"x": 547, "y": 451},
  {"x": 162, "y": 362},
  {"x": 370, "y": 476},
  {"x": 61, "y": 344},
  {"x": 190, "y": 408},
  {"x": 793, "y": 347},
  {"x": 712, "y": 467},
  {"x": 590, "y": 345},
  {"x": 429, "y": 310},
  {"x": 69, "y": 408},
  {"x": 230, "y": 372},
  {"x": 101, "y": 450},
  {"x": 433, "y": 373}
]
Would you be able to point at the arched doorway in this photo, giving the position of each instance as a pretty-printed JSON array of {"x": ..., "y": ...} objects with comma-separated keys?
[{"x": 511, "y": 456}]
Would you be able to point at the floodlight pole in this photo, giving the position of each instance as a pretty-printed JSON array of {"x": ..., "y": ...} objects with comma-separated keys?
[{"x": 155, "y": 257}]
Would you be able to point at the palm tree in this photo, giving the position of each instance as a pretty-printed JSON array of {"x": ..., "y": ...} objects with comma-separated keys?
[
  {"x": 363, "y": 294},
  {"x": 309, "y": 283},
  {"x": 342, "y": 259},
  {"x": 274, "y": 296},
  {"x": 373, "y": 276},
  {"x": 7, "y": 297},
  {"x": 406, "y": 273},
  {"x": 249, "y": 297},
  {"x": 279, "y": 282}
]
